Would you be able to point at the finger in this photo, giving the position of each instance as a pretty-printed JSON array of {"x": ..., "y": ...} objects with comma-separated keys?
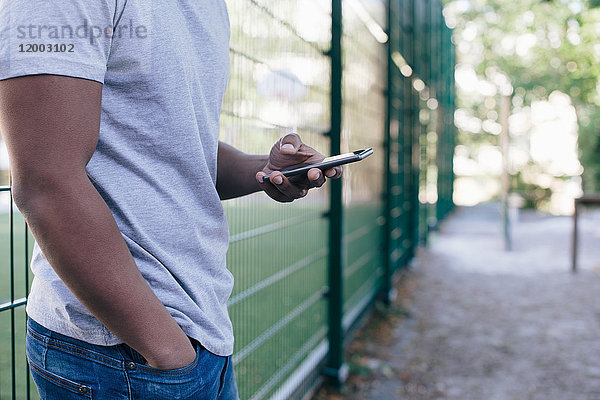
[
  {"x": 259, "y": 177},
  {"x": 276, "y": 179},
  {"x": 270, "y": 189},
  {"x": 275, "y": 194},
  {"x": 315, "y": 177},
  {"x": 290, "y": 143},
  {"x": 273, "y": 178},
  {"x": 283, "y": 184},
  {"x": 334, "y": 173}
]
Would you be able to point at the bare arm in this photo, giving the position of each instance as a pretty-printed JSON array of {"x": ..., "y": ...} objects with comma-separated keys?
[
  {"x": 51, "y": 125},
  {"x": 236, "y": 172}
]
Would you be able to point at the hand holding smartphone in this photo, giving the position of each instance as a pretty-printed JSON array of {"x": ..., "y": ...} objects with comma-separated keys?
[{"x": 327, "y": 163}]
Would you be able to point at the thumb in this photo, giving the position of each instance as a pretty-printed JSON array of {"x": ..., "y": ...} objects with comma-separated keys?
[{"x": 290, "y": 143}]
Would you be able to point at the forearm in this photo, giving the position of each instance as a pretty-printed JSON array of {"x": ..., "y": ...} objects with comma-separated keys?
[
  {"x": 51, "y": 125},
  {"x": 236, "y": 172},
  {"x": 79, "y": 236}
]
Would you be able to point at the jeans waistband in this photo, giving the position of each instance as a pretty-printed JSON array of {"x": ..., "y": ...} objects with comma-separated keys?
[{"x": 120, "y": 352}]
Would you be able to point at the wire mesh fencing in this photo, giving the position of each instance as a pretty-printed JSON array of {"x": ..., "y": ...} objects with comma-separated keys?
[{"x": 345, "y": 75}]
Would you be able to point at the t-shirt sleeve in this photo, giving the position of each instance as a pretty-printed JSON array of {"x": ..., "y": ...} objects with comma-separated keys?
[{"x": 66, "y": 37}]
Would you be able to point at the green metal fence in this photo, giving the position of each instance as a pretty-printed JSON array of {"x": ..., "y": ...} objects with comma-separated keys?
[
  {"x": 15, "y": 251},
  {"x": 345, "y": 74}
]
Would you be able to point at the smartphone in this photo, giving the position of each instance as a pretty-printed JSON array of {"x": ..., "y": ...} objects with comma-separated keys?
[{"x": 327, "y": 163}]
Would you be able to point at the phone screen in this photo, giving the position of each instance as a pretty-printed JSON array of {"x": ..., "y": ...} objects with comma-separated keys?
[{"x": 338, "y": 157}]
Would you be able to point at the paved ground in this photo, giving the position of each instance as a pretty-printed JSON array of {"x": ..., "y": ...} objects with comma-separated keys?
[{"x": 473, "y": 321}]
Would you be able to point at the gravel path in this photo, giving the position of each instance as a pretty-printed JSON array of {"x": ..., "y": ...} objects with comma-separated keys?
[{"x": 486, "y": 324}]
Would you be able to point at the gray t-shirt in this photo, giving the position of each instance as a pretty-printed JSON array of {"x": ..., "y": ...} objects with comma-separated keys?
[{"x": 164, "y": 66}]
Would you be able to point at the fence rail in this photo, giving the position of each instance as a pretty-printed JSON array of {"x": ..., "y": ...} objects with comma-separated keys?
[{"x": 345, "y": 74}]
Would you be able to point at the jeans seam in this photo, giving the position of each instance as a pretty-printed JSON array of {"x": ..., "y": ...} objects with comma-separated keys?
[
  {"x": 97, "y": 357},
  {"x": 167, "y": 372},
  {"x": 129, "y": 391},
  {"x": 222, "y": 377},
  {"x": 70, "y": 387},
  {"x": 75, "y": 350}
]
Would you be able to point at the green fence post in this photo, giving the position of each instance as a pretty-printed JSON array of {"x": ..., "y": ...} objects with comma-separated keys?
[
  {"x": 452, "y": 135},
  {"x": 335, "y": 368},
  {"x": 387, "y": 269},
  {"x": 11, "y": 239}
]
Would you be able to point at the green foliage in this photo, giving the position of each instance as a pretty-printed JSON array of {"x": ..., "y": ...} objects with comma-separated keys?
[
  {"x": 558, "y": 36},
  {"x": 589, "y": 143},
  {"x": 541, "y": 46},
  {"x": 533, "y": 195}
]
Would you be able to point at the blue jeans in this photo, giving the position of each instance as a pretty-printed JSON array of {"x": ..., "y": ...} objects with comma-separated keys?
[{"x": 65, "y": 368}]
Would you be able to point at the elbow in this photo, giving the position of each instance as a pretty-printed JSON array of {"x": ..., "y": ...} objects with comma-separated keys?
[
  {"x": 26, "y": 196},
  {"x": 20, "y": 190},
  {"x": 34, "y": 195}
]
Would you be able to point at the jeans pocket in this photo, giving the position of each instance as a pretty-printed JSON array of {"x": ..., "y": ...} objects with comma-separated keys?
[
  {"x": 199, "y": 380},
  {"x": 52, "y": 386},
  {"x": 66, "y": 369},
  {"x": 139, "y": 362}
]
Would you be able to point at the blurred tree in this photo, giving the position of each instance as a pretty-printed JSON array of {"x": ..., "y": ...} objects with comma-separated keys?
[{"x": 538, "y": 46}]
